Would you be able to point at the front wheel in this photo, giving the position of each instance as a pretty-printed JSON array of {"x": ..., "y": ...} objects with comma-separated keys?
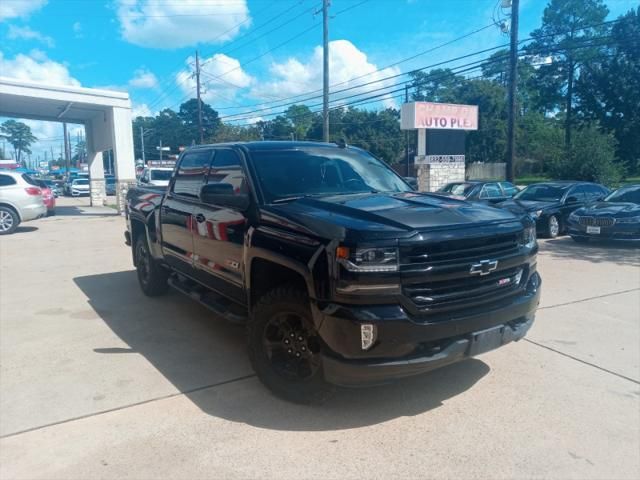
[
  {"x": 553, "y": 226},
  {"x": 284, "y": 347},
  {"x": 9, "y": 220},
  {"x": 152, "y": 277}
]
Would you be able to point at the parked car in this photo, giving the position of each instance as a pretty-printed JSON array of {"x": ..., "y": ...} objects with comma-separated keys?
[
  {"x": 551, "y": 203},
  {"x": 488, "y": 192},
  {"x": 617, "y": 218},
  {"x": 69, "y": 181},
  {"x": 156, "y": 176},
  {"x": 55, "y": 189},
  {"x": 48, "y": 197},
  {"x": 342, "y": 273},
  {"x": 20, "y": 200},
  {"x": 110, "y": 185},
  {"x": 79, "y": 187}
]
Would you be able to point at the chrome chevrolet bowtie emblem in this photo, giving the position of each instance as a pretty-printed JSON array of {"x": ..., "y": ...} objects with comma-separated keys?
[{"x": 484, "y": 267}]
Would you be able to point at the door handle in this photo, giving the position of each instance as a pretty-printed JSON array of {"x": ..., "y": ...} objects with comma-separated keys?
[{"x": 200, "y": 218}]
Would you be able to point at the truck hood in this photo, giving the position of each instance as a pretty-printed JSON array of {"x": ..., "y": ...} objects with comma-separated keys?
[{"x": 385, "y": 214}]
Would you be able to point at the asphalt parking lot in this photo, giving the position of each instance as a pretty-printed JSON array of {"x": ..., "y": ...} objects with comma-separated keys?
[{"x": 98, "y": 381}]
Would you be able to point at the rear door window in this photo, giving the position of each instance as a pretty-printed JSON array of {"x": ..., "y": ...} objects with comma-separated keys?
[
  {"x": 491, "y": 190},
  {"x": 509, "y": 189}
]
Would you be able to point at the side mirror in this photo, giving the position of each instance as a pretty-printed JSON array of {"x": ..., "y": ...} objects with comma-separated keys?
[
  {"x": 571, "y": 199},
  {"x": 222, "y": 194}
]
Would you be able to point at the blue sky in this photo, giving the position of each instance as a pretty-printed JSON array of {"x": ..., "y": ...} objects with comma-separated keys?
[{"x": 254, "y": 51}]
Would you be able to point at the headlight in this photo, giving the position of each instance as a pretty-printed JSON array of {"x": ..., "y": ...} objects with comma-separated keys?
[
  {"x": 529, "y": 237},
  {"x": 574, "y": 217},
  {"x": 536, "y": 214},
  {"x": 628, "y": 220},
  {"x": 368, "y": 259}
]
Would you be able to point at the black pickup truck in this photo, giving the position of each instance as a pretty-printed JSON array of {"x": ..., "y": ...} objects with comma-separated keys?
[{"x": 342, "y": 273}]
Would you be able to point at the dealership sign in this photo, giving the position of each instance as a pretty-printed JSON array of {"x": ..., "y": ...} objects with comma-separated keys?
[{"x": 442, "y": 116}]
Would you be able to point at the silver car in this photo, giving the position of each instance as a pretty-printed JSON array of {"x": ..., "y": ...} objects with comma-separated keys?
[{"x": 20, "y": 200}]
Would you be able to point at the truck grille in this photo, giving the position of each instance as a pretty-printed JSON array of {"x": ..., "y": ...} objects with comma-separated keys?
[
  {"x": 596, "y": 221},
  {"x": 460, "y": 292},
  {"x": 459, "y": 251}
]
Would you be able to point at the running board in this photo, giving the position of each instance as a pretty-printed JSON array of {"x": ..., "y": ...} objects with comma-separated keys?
[{"x": 219, "y": 305}]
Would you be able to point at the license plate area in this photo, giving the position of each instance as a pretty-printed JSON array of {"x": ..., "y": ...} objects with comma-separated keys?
[
  {"x": 593, "y": 230},
  {"x": 486, "y": 340}
]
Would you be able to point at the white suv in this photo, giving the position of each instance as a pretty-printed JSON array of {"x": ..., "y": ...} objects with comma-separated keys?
[{"x": 20, "y": 200}]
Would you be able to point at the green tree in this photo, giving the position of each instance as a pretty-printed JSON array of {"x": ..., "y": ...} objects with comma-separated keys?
[
  {"x": 188, "y": 114},
  {"x": 436, "y": 86},
  {"x": 609, "y": 89},
  {"x": 591, "y": 158},
  {"x": 567, "y": 36},
  {"x": 301, "y": 118},
  {"x": 19, "y": 136}
]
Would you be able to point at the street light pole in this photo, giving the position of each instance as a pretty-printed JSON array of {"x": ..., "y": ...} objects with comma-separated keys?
[
  {"x": 200, "y": 130},
  {"x": 513, "y": 81},
  {"x": 144, "y": 160}
]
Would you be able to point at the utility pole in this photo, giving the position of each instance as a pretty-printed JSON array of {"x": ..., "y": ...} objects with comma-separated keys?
[
  {"x": 325, "y": 70},
  {"x": 144, "y": 160},
  {"x": 199, "y": 101},
  {"x": 406, "y": 132},
  {"x": 513, "y": 82},
  {"x": 160, "y": 151},
  {"x": 67, "y": 156}
]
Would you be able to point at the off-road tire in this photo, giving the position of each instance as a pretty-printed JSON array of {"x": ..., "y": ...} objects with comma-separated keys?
[
  {"x": 152, "y": 277},
  {"x": 287, "y": 298}
]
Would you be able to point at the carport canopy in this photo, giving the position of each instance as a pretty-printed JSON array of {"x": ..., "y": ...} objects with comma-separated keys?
[{"x": 105, "y": 114}]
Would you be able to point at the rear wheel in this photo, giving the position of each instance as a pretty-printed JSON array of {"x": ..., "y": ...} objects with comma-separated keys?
[
  {"x": 151, "y": 276},
  {"x": 284, "y": 347},
  {"x": 9, "y": 220}
]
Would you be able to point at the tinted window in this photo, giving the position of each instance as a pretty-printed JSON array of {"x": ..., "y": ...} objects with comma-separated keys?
[
  {"x": 226, "y": 168},
  {"x": 543, "y": 192},
  {"x": 6, "y": 180},
  {"x": 594, "y": 192},
  {"x": 160, "y": 174},
  {"x": 30, "y": 180},
  {"x": 191, "y": 173},
  {"x": 462, "y": 189},
  {"x": 580, "y": 192},
  {"x": 285, "y": 174},
  {"x": 509, "y": 189},
  {"x": 491, "y": 190},
  {"x": 625, "y": 195}
]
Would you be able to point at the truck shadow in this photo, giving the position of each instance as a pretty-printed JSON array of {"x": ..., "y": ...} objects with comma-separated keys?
[
  {"x": 595, "y": 252},
  {"x": 205, "y": 358}
]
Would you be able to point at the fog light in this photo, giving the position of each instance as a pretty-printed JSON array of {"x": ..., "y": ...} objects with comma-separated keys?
[{"x": 367, "y": 335}]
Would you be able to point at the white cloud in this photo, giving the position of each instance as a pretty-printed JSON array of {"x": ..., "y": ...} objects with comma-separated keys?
[
  {"x": 232, "y": 78},
  {"x": 143, "y": 79},
  {"x": 348, "y": 67},
  {"x": 25, "y": 33},
  {"x": 36, "y": 67},
  {"x": 158, "y": 24},
  {"x": 22, "y": 8},
  {"x": 141, "y": 110}
]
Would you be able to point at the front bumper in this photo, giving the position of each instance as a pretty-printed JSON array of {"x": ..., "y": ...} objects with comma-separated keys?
[
  {"x": 410, "y": 346},
  {"x": 78, "y": 193},
  {"x": 619, "y": 232}
]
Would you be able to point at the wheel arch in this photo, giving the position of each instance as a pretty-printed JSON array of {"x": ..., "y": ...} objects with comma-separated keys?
[{"x": 4, "y": 203}]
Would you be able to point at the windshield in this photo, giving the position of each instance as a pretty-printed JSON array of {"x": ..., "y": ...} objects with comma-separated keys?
[
  {"x": 458, "y": 188},
  {"x": 160, "y": 174},
  {"x": 81, "y": 181},
  {"x": 543, "y": 192},
  {"x": 322, "y": 171},
  {"x": 625, "y": 195}
]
